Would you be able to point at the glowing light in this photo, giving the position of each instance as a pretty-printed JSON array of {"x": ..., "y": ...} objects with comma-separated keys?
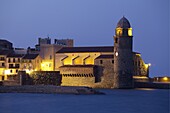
[
  {"x": 138, "y": 55},
  {"x": 149, "y": 64},
  {"x": 130, "y": 32},
  {"x": 116, "y": 53},
  {"x": 29, "y": 71},
  {"x": 165, "y": 78},
  {"x": 46, "y": 66},
  {"x": 7, "y": 72},
  {"x": 119, "y": 31}
]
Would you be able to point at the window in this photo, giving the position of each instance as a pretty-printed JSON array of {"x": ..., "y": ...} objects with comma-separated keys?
[
  {"x": 17, "y": 65},
  {"x": 49, "y": 64},
  {"x": 3, "y": 77},
  {"x": 101, "y": 61},
  {"x": 11, "y": 71},
  {"x": 10, "y": 65},
  {"x": 112, "y": 61},
  {"x": 25, "y": 65},
  {"x": 13, "y": 59},
  {"x": 16, "y": 70},
  {"x": 3, "y": 64},
  {"x": 2, "y": 58},
  {"x": 9, "y": 60},
  {"x": 138, "y": 63},
  {"x": 50, "y": 56},
  {"x": 116, "y": 40},
  {"x": 18, "y": 59}
]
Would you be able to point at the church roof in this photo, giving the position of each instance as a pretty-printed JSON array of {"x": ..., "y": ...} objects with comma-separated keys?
[
  {"x": 123, "y": 23},
  {"x": 15, "y": 55},
  {"x": 86, "y": 49},
  {"x": 105, "y": 56},
  {"x": 30, "y": 56},
  {"x": 78, "y": 66}
]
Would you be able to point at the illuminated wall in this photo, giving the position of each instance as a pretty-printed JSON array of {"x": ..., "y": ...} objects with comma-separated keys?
[
  {"x": 47, "y": 53},
  {"x": 46, "y": 65},
  {"x": 140, "y": 68},
  {"x": 30, "y": 65},
  {"x": 78, "y": 75},
  {"x": 75, "y": 59}
]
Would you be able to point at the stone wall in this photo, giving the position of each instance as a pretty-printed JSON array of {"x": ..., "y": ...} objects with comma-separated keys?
[
  {"x": 78, "y": 81},
  {"x": 106, "y": 72},
  {"x": 79, "y": 75},
  {"x": 140, "y": 68},
  {"x": 45, "y": 78}
]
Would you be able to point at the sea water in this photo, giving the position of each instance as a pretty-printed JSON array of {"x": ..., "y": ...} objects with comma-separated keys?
[{"x": 114, "y": 101}]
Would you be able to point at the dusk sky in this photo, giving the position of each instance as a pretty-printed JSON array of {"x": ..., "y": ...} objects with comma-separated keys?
[{"x": 90, "y": 23}]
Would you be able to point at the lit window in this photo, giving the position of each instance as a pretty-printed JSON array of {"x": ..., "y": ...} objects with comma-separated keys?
[
  {"x": 119, "y": 31},
  {"x": 130, "y": 32}
]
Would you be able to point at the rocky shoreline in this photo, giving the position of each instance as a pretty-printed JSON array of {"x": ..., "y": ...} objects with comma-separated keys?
[{"x": 49, "y": 89}]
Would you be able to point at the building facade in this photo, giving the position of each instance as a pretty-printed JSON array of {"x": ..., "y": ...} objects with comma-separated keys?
[
  {"x": 115, "y": 67},
  {"x": 99, "y": 66}
]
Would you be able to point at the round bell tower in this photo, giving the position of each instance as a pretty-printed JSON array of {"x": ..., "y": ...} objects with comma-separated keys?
[{"x": 123, "y": 55}]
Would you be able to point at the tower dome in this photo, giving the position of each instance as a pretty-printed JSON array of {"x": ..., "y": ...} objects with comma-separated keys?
[{"x": 123, "y": 23}]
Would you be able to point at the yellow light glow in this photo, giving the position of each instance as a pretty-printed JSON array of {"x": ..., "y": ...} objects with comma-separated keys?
[
  {"x": 7, "y": 72},
  {"x": 89, "y": 61},
  {"x": 165, "y": 78},
  {"x": 138, "y": 55},
  {"x": 119, "y": 31},
  {"x": 46, "y": 66},
  {"x": 78, "y": 61},
  {"x": 28, "y": 71},
  {"x": 130, "y": 32},
  {"x": 149, "y": 64},
  {"x": 68, "y": 61}
]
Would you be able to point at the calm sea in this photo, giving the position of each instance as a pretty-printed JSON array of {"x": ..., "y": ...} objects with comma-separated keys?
[{"x": 115, "y": 101}]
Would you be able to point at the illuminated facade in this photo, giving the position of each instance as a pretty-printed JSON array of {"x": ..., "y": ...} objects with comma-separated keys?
[
  {"x": 101, "y": 66},
  {"x": 115, "y": 67},
  {"x": 30, "y": 63}
]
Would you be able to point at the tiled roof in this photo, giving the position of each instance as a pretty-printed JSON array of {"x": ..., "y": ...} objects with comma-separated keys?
[
  {"x": 6, "y": 41},
  {"x": 5, "y": 52},
  {"x": 15, "y": 55},
  {"x": 104, "y": 56},
  {"x": 30, "y": 56},
  {"x": 78, "y": 66},
  {"x": 86, "y": 49}
]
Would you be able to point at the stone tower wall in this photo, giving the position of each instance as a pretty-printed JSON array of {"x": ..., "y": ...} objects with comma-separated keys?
[{"x": 123, "y": 62}]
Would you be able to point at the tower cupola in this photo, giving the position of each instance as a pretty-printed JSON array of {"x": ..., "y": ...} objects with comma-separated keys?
[{"x": 123, "y": 28}]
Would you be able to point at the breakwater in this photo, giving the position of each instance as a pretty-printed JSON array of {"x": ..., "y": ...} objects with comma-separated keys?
[{"x": 48, "y": 89}]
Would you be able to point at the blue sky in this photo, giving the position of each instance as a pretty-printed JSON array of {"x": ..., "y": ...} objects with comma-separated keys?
[{"x": 90, "y": 23}]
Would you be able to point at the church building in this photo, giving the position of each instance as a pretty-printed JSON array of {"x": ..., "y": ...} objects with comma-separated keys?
[{"x": 103, "y": 66}]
